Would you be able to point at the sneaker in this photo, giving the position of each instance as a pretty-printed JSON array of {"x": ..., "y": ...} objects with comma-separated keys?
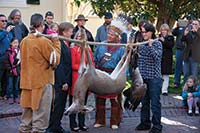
[
  {"x": 155, "y": 130},
  {"x": 84, "y": 128},
  {"x": 98, "y": 125},
  {"x": 164, "y": 94},
  {"x": 143, "y": 127},
  {"x": 190, "y": 112},
  {"x": 176, "y": 86},
  {"x": 196, "y": 112},
  {"x": 114, "y": 127},
  {"x": 75, "y": 129}
]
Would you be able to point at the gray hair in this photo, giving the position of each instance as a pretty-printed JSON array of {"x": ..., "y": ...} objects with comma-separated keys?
[{"x": 12, "y": 14}]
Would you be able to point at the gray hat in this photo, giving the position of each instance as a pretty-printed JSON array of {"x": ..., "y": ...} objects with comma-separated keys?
[{"x": 81, "y": 17}]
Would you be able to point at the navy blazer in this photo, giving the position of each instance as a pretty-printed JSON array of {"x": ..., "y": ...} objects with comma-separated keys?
[{"x": 63, "y": 72}]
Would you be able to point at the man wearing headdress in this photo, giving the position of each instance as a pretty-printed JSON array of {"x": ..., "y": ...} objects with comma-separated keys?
[{"x": 106, "y": 59}]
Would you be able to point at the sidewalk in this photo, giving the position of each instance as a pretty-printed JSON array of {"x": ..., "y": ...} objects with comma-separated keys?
[{"x": 174, "y": 118}]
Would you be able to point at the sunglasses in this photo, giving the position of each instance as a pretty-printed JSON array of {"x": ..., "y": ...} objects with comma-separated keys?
[{"x": 4, "y": 21}]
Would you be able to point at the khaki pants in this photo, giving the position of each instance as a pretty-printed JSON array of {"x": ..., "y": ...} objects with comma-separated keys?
[{"x": 38, "y": 120}]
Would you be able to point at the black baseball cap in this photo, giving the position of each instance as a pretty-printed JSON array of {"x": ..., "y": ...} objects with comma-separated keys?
[
  {"x": 108, "y": 15},
  {"x": 49, "y": 13}
]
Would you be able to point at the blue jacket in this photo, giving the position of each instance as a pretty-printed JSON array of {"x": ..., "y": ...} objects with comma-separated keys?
[
  {"x": 5, "y": 38},
  {"x": 19, "y": 31},
  {"x": 114, "y": 59},
  {"x": 195, "y": 94},
  {"x": 102, "y": 32}
]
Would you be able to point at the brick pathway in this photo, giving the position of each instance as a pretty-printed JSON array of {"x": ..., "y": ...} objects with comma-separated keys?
[{"x": 174, "y": 118}]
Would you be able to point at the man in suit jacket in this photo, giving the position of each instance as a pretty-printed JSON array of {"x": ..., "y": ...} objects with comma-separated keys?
[{"x": 62, "y": 81}]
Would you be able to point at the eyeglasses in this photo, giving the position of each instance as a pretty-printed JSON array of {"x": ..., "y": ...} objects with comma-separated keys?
[{"x": 4, "y": 21}]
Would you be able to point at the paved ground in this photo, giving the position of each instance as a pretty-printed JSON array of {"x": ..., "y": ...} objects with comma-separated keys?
[{"x": 174, "y": 118}]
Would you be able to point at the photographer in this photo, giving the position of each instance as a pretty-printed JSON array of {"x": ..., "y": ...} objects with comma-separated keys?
[
  {"x": 191, "y": 56},
  {"x": 178, "y": 32}
]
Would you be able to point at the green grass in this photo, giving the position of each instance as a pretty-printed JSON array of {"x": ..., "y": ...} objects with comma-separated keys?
[{"x": 171, "y": 89}]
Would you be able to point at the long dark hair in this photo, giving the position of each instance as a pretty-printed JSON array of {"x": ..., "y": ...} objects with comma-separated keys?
[
  {"x": 35, "y": 22},
  {"x": 149, "y": 27}
]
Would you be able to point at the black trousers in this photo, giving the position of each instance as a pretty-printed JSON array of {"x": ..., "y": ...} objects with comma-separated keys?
[
  {"x": 58, "y": 108},
  {"x": 3, "y": 82},
  {"x": 81, "y": 116}
]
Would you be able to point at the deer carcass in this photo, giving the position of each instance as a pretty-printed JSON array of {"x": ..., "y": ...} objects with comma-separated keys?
[
  {"x": 137, "y": 91},
  {"x": 96, "y": 81}
]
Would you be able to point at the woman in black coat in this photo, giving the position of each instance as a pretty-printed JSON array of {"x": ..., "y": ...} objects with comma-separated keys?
[{"x": 167, "y": 41}]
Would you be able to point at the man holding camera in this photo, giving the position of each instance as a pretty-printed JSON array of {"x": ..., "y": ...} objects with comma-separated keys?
[{"x": 191, "y": 56}]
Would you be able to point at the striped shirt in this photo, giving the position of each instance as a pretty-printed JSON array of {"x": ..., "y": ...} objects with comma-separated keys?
[{"x": 149, "y": 61}]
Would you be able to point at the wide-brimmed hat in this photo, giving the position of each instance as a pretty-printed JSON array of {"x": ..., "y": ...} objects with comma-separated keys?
[{"x": 81, "y": 17}]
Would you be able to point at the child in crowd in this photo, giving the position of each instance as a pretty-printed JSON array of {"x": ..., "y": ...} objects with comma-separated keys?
[
  {"x": 12, "y": 66},
  {"x": 53, "y": 29},
  {"x": 191, "y": 93}
]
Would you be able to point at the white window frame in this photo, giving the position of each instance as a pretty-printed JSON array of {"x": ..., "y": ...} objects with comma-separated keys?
[{"x": 13, "y": 3}]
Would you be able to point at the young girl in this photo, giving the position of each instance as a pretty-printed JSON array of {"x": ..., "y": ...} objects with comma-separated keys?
[
  {"x": 167, "y": 41},
  {"x": 12, "y": 66},
  {"x": 76, "y": 54},
  {"x": 53, "y": 29},
  {"x": 191, "y": 93}
]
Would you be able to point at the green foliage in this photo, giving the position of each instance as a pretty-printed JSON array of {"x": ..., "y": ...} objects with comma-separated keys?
[{"x": 166, "y": 11}]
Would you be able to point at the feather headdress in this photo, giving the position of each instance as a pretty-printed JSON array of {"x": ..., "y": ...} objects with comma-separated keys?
[{"x": 119, "y": 24}]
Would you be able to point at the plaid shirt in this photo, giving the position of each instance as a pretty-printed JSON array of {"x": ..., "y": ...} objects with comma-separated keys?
[{"x": 149, "y": 60}]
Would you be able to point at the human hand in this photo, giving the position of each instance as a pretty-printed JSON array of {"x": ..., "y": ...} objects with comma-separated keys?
[
  {"x": 194, "y": 29},
  {"x": 9, "y": 28},
  {"x": 186, "y": 31},
  {"x": 162, "y": 39},
  {"x": 54, "y": 37},
  {"x": 150, "y": 42},
  {"x": 65, "y": 87},
  {"x": 190, "y": 94}
]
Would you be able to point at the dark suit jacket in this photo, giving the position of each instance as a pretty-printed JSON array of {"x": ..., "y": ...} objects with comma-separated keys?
[
  {"x": 88, "y": 33},
  {"x": 63, "y": 72}
]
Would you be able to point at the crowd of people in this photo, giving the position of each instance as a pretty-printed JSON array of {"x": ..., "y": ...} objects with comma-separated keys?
[{"x": 46, "y": 70}]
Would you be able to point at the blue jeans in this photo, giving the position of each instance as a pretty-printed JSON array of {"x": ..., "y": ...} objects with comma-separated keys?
[
  {"x": 152, "y": 98},
  {"x": 190, "y": 67},
  {"x": 13, "y": 86},
  {"x": 178, "y": 66}
]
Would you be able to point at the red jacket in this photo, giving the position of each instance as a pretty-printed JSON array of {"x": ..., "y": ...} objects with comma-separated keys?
[{"x": 76, "y": 59}]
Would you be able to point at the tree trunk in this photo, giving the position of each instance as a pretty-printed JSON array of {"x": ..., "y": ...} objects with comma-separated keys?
[{"x": 164, "y": 17}]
